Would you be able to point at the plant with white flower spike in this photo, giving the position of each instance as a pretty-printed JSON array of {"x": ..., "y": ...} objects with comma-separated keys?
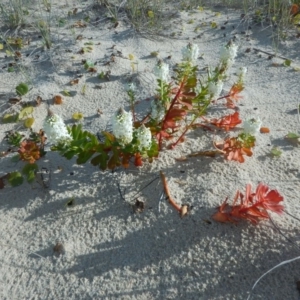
[
  {"x": 144, "y": 138},
  {"x": 122, "y": 126},
  {"x": 161, "y": 71},
  {"x": 252, "y": 125},
  {"x": 56, "y": 130},
  {"x": 190, "y": 53},
  {"x": 228, "y": 54},
  {"x": 215, "y": 88},
  {"x": 241, "y": 74},
  {"x": 157, "y": 110}
]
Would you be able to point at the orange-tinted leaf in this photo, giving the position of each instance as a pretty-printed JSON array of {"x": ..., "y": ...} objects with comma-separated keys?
[
  {"x": 227, "y": 122},
  {"x": 176, "y": 113},
  {"x": 294, "y": 9},
  {"x": 58, "y": 100},
  {"x": 264, "y": 130}
]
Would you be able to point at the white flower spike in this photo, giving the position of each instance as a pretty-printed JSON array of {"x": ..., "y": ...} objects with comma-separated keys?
[
  {"x": 157, "y": 110},
  {"x": 252, "y": 125},
  {"x": 190, "y": 52},
  {"x": 161, "y": 71},
  {"x": 122, "y": 126},
  {"x": 228, "y": 53},
  {"x": 56, "y": 130},
  {"x": 241, "y": 73},
  {"x": 215, "y": 88},
  {"x": 144, "y": 138}
]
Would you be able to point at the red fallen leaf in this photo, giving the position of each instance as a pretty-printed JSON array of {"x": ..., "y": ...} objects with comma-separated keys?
[
  {"x": 252, "y": 207},
  {"x": 234, "y": 95},
  {"x": 227, "y": 122}
]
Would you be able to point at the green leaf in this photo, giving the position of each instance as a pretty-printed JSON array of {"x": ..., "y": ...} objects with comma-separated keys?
[
  {"x": 15, "y": 158},
  {"x": 25, "y": 112},
  {"x": 287, "y": 62},
  {"x": 28, "y": 122},
  {"x": 76, "y": 129},
  {"x": 10, "y": 69},
  {"x": 15, "y": 178},
  {"x": 22, "y": 89},
  {"x": 292, "y": 135},
  {"x": 213, "y": 25},
  {"x": 10, "y": 118},
  {"x": 29, "y": 171},
  {"x": 1, "y": 46},
  {"x": 276, "y": 152},
  {"x": 88, "y": 64},
  {"x": 69, "y": 154},
  {"x": 83, "y": 157},
  {"x": 77, "y": 116},
  {"x": 66, "y": 93},
  {"x": 100, "y": 160}
]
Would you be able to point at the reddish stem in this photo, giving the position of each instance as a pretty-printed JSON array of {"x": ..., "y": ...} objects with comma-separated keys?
[
  {"x": 167, "y": 191},
  {"x": 171, "y": 106}
]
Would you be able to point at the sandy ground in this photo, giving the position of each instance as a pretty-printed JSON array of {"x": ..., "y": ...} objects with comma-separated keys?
[{"x": 111, "y": 252}]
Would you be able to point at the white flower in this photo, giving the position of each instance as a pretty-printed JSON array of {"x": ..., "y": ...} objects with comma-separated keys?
[
  {"x": 144, "y": 137},
  {"x": 161, "y": 71},
  {"x": 252, "y": 125},
  {"x": 56, "y": 130},
  {"x": 228, "y": 53},
  {"x": 130, "y": 87},
  {"x": 190, "y": 52},
  {"x": 157, "y": 110},
  {"x": 215, "y": 88},
  {"x": 241, "y": 73},
  {"x": 122, "y": 126}
]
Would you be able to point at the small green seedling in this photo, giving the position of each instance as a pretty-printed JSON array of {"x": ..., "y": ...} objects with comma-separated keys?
[
  {"x": 29, "y": 171},
  {"x": 287, "y": 63},
  {"x": 293, "y": 138},
  {"x": 14, "y": 138},
  {"x": 275, "y": 152},
  {"x": 77, "y": 116},
  {"x": 22, "y": 89},
  {"x": 15, "y": 178}
]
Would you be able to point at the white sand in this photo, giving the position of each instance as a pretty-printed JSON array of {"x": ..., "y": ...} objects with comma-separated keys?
[{"x": 112, "y": 253}]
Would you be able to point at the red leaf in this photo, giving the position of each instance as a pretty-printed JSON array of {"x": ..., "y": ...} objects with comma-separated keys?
[
  {"x": 176, "y": 113},
  {"x": 227, "y": 122}
]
